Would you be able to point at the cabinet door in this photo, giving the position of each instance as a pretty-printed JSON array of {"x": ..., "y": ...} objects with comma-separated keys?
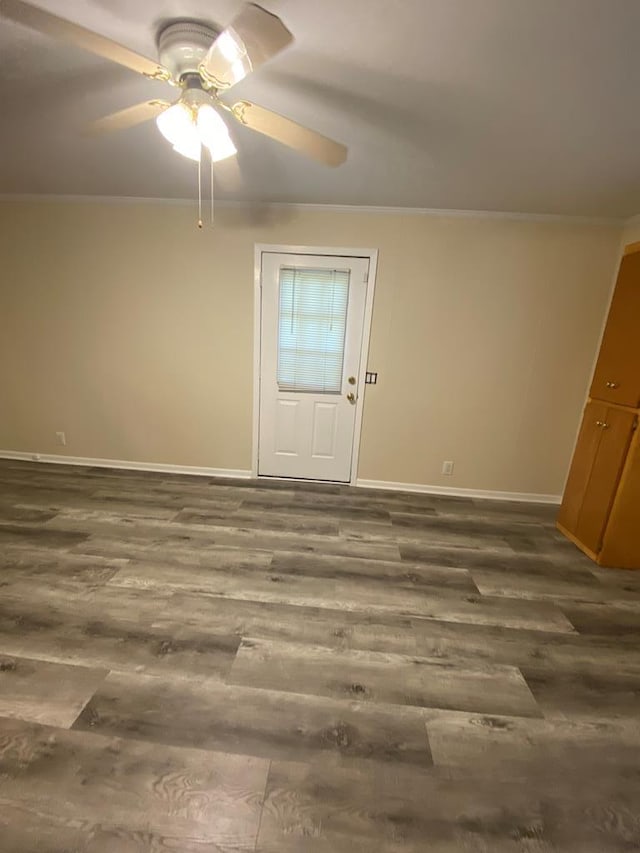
[
  {"x": 621, "y": 546},
  {"x": 582, "y": 465},
  {"x": 617, "y": 375},
  {"x": 616, "y": 432}
]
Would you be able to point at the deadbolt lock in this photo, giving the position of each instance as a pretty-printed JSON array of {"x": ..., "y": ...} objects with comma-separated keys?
[{"x": 351, "y": 380}]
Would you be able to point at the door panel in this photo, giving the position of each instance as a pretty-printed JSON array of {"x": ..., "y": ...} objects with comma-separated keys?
[
  {"x": 582, "y": 464},
  {"x": 311, "y": 325},
  {"x": 604, "y": 478},
  {"x": 324, "y": 430},
  {"x": 617, "y": 374},
  {"x": 286, "y": 427}
]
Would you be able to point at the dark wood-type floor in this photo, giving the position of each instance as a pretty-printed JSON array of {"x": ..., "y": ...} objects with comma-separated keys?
[{"x": 196, "y": 665}]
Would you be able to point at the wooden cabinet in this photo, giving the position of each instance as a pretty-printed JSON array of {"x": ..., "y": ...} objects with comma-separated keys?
[
  {"x": 597, "y": 466},
  {"x": 600, "y": 510},
  {"x": 617, "y": 374}
]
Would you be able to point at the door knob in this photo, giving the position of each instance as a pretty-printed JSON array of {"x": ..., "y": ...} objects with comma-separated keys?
[{"x": 351, "y": 397}]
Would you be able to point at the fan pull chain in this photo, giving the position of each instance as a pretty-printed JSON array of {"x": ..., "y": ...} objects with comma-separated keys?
[{"x": 200, "y": 191}]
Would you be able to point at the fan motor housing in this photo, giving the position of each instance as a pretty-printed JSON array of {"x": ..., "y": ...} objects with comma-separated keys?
[{"x": 182, "y": 45}]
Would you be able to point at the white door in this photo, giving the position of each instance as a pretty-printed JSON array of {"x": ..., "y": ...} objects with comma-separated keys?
[{"x": 312, "y": 320}]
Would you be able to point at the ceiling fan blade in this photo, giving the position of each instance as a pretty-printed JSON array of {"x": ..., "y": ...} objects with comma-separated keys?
[
  {"x": 52, "y": 25},
  {"x": 313, "y": 144},
  {"x": 128, "y": 117},
  {"x": 254, "y": 36}
]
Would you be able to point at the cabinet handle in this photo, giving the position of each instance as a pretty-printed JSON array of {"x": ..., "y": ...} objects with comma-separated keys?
[
  {"x": 602, "y": 424},
  {"x": 612, "y": 384}
]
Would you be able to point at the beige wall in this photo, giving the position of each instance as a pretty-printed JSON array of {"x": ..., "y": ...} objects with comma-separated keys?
[
  {"x": 130, "y": 330},
  {"x": 631, "y": 233}
]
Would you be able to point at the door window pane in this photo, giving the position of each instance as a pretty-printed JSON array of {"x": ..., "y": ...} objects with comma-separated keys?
[{"x": 311, "y": 329}]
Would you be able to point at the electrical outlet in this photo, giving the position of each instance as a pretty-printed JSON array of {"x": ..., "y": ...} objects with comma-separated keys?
[
  {"x": 447, "y": 468},
  {"x": 61, "y": 438}
]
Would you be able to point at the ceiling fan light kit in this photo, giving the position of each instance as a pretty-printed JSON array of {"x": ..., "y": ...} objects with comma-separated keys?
[
  {"x": 193, "y": 122},
  {"x": 202, "y": 62}
]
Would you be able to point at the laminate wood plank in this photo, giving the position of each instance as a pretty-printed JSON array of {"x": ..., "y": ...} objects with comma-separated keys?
[
  {"x": 503, "y": 746},
  {"x": 267, "y": 723},
  {"x": 25, "y": 514},
  {"x": 342, "y": 843},
  {"x": 380, "y": 532},
  {"x": 69, "y": 597},
  {"x": 314, "y": 625},
  {"x": 278, "y": 541},
  {"x": 20, "y": 562},
  {"x": 179, "y": 551},
  {"x": 45, "y": 692},
  {"x": 144, "y": 506},
  {"x": 271, "y": 587},
  {"x": 562, "y": 652},
  {"x": 300, "y": 487},
  {"x": 479, "y": 558},
  {"x": 627, "y": 580},
  {"x": 389, "y": 632},
  {"x": 353, "y": 568},
  {"x": 126, "y": 792},
  {"x": 253, "y": 520},
  {"x": 208, "y": 500},
  {"x": 548, "y": 547},
  {"x": 43, "y": 536},
  {"x": 417, "y": 499},
  {"x": 27, "y": 828},
  {"x": 516, "y": 509},
  {"x": 163, "y": 535},
  {"x": 587, "y": 770},
  {"x": 579, "y": 770},
  {"x": 536, "y": 587},
  {"x": 615, "y": 619},
  {"x": 100, "y": 637},
  {"x": 464, "y": 527},
  {"x": 367, "y": 531},
  {"x": 381, "y": 677},
  {"x": 534, "y": 749},
  {"x": 503, "y": 612},
  {"x": 527, "y": 516},
  {"x": 406, "y": 810},
  {"x": 590, "y": 695},
  {"x": 76, "y": 518},
  {"x": 330, "y": 508}
]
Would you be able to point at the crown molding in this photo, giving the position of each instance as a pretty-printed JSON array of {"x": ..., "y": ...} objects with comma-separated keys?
[{"x": 442, "y": 213}]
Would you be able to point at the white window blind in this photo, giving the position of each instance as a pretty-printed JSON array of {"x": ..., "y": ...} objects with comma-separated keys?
[{"x": 311, "y": 329}]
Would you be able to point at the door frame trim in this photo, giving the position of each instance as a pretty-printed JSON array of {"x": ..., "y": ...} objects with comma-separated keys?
[{"x": 333, "y": 251}]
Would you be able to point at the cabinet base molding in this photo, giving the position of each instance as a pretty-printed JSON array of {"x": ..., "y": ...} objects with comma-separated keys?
[
  {"x": 600, "y": 559},
  {"x": 591, "y": 554}
]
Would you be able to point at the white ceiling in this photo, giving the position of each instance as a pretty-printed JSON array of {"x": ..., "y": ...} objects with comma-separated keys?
[{"x": 509, "y": 105}]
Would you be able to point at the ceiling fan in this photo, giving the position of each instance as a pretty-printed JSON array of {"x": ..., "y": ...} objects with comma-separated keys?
[{"x": 202, "y": 63}]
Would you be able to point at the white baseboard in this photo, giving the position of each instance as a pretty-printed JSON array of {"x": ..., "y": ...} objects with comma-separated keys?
[
  {"x": 481, "y": 494},
  {"x": 159, "y": 467},
  {"x": 243, "y": 474}
]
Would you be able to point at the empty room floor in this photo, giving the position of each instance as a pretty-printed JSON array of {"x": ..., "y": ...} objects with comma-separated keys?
[{"x": 197, "y": 665}]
